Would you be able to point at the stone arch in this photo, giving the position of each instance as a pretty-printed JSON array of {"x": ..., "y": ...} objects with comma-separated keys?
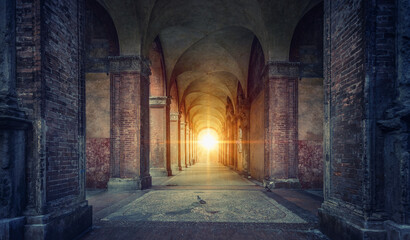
[
  {"x": 101, "y": 42},
  {"x": 307, "y": 49}
]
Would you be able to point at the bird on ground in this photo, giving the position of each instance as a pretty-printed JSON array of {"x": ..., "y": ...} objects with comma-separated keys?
[{"x": 200, "y": 200}]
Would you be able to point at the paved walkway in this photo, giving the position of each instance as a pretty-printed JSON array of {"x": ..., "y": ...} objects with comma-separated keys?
[{"x": 205, "y": 201}]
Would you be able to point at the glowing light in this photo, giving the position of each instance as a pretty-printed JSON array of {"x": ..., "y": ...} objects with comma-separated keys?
[{"x": 208, "y": 141}]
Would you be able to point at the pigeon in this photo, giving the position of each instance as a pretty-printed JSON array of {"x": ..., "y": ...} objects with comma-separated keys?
[{"x": 200, "y": 200}]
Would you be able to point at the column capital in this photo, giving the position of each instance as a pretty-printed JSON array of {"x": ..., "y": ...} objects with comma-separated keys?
[
  {"x": 282, "y": 69},
  {"x": 130, "y": 63},
  {"x": 158, "y": 101},
  {"x": 173, "y": 116}
]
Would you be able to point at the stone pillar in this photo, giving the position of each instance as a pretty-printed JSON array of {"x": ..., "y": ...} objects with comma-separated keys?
[
  {"x": 231, "y": 144},
  {"x": 366, "y": 120},
  {"x": 188, "y": 144},
  {"x": 228, "y": 143},
  {"x": 159, "y": 159},
  {"x": 281, "y": 125},
  {"x": 194, "y": 144},
  {"x": 13, "y": 126},
  {"x": 244, "y": 138},
  {"x": 235, "y": 142},
  {"x": 174, "y": 146},
  {"x": 182, "y": 144},
  {"x": 129, "y": 123}
]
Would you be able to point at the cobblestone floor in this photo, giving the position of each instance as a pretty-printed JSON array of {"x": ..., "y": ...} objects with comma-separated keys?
[{"x": 205, "y": 202}]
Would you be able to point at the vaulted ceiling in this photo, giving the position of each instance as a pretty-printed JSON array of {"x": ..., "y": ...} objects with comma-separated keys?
[{"x": 207, "y": 44}]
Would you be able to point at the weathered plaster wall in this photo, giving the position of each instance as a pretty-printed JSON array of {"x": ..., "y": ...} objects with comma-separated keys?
[
  {"x": 101, "y": 41},
  {"x": 307, "y": 48},
  {"x": 157, "y": 137},
  {"x": 174, "y": 133},
  {"x": 310, "y": 132},
  {"x": 98, "y": 162},
  {"x": 98, "y": 129},
  {"x": 257, "y": 131},
  {"x": 98, "y": 105}
]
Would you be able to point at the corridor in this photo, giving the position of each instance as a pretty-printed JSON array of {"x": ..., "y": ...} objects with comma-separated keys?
[{"x": 204, "y": 201}]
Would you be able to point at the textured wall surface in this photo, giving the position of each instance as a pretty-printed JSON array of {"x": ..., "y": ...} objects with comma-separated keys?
[
  {"x": 257, "y": 137},
  {"x": 98, "y": 129},
  {"x": 157, "y": 135},
  {"x": 98, "y": 162},
  {"x": 98, "y": 105},
  {"x": 310, "y": 132}
]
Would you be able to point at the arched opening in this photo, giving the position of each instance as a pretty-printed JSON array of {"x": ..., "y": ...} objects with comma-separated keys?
[
  {"x": 307, "y": 49},
  {"x": 101, "y": 42},
  {"x": 208, "y": 146}
]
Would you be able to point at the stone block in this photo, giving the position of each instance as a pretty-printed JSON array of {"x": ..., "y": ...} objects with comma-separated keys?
[
  {"x": 12, "y": 228},
  {"x": 282, "y": 183},
  {"x": 397, "y": 231},
  {"x": 129, "y": 184},
  {"x": 66, "y": 226},
  {"x": 338, "y": 227}
]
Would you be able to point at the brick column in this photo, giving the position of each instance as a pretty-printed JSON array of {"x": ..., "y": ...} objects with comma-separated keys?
[
  {"x": 129, "y": 123},
  {"x": 159, "y": 159},
  {"x": 191, "y": 150},
  {"x": 174, "y": 136},
  {"x": 182, "y": 145},
  {"x": 281, "y": 125},
  {"x": 244, "y": 137},
  {"x": 187, "y": 144},
  {"x": 235, "y": 142}
]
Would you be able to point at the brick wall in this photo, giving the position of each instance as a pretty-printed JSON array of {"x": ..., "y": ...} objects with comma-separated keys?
[
  {"x": 28, "y": 83},
  {"x": 50, "y": 88},
  {"x": 347, "y": 100},
  {"x": 61, "y": 72}
]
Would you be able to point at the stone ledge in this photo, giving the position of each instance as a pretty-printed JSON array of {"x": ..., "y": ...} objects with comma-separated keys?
[
  {"x": 124, "y": 184},
  {"x": 397, "y": 231},
  {"x": 129, "y": 184},
  {"x": 282, "y": 183},
  {"x": 132, "y": 63},
  {"x": 158, "y": 172},
  {"x": 12, "y": 228},
  {"x": 66, "y": 226},
  {"x": 158, "y": 101},
  {"x": 338, "y": 228}
]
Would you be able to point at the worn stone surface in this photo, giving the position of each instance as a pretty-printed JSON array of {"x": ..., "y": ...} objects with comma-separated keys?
[
  {"x": 236, "y": 210},
  {"x": 50, "y": 87},
  {"x": 256, "y": 137},
  {"x": 98, "y": 162}
]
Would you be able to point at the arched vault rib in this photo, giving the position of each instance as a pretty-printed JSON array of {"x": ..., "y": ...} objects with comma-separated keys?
[
  {"x": 204, "y": 17},
  {"x": 220, "y": 85},
  {"x": 209, "y": 122}
]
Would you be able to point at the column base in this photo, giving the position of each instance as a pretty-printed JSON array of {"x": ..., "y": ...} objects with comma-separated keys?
[
  {"x": 66, "y": 226},
  {"x": 12, "y": 228},
  {"x": 282, "y": 183},
  {"x": 129, "y": 184},
  {"x": 175, "y": 169},
  {"x": 339, "y": 224},
  {"x": 159, "y": 172},
  {"x": 397, "y": 231}
]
